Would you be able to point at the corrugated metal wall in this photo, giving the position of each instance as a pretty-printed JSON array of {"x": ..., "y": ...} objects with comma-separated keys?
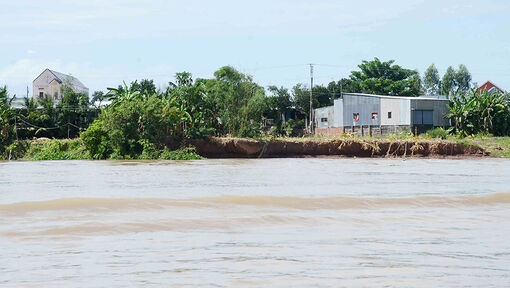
[
  {"x": 338, "y": 113},
  {"x": 400, "y": 111},
  {"x": 324, "y": 117},
  {"x": 365, "y": 106},
  {"x": 343, "y": 112},
  {"x": 439, "y": 108}
]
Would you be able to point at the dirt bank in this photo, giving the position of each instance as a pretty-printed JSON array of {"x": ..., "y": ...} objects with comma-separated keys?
[{"x": 363, "y": 147}]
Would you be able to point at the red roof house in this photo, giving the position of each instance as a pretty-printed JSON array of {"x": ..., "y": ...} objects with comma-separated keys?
[{"x": 490, "y": 87}]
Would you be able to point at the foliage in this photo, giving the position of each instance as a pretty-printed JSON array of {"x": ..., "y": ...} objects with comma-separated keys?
[
  {"x": 439, "y": 132},
  {"x": 480, "y": 111},
  {"x": 384, "y": 78},
  {"x": 97, "y": 140},
  {"x": 186, "y": 153},
  {"x": 145, "y": 86},
  {"x": 301, "y": 97},
  {"x": 6, "y": 118},
  {"x": 131, "y": 120},
  {"x": 193, "y": 106},
  {"x": 56, "y": 150},
  {"x": 98, "y": 97},
  {"x": 456, "y": 81},
  {"x": 431, "y": 81},
  {"x": 236, "y": 102}
]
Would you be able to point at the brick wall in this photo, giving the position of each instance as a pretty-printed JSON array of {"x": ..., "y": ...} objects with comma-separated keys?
[{"x": 334, "y": 131}]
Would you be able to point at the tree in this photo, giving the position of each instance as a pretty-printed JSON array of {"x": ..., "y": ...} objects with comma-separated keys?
[
  {"x": 230, "y": 94},
  {"x": 384, "y": 78},
  {"x": 98, "y": 96},
  {"x": 147, "y": 86},
  {"x": 456, "y": 80},
  {"x": 323, "y": 95},
  {"x": 72, "y": 112},
  {"x": 280, "y": 100},
  {"x": 301, "y": 98},
  {"x": 344, "y": 85},
  {"x": 449, "y": 84},
  {"x": 6, "y": 117},
  {"x": 463, "y": 78},
  {"x": 431, "y": 81},
  {"x": 194, "y": 105}
]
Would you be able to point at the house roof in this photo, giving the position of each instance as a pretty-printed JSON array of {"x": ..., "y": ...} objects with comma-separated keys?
[
  {"x": 61, "y": 77},
  {"x": 489, "y": 86},
  {"x": 436, "y": 98}
]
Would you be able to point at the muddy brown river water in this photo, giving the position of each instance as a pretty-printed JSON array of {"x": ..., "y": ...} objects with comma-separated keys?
[{"x": 256, "y": 223}]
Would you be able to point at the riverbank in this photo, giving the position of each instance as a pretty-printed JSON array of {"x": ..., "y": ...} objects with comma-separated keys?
[
  {"x": 227, "y": 147},
  {"x": 345, "y": 146}
]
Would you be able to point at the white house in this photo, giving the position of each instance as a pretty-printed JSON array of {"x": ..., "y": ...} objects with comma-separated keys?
[{"x": 49, "y": 83}]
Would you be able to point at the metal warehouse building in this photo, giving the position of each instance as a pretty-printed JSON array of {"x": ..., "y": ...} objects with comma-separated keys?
[{"x": 368, "y": 114}]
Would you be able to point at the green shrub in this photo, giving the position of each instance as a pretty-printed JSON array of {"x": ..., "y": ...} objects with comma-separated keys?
[
  {"x": 187, "y": 153},
  {"x": 16, "y": 150},
  {"x": 97, "y": 140},
  {"x": 149, "y": 150},
  {"x": 57, "y": 150},
  {"x": 437, "y": 133}
]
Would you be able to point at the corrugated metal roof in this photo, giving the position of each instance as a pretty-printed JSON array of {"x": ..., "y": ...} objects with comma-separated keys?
[
  {"x": 68, "y": 78},
  {"x": 399, "y": 97}
]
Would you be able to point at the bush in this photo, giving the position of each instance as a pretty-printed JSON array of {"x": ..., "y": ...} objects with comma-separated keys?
[
  {"x": 57, "y": 150},
  {"x": 97, "y": 140},
  {"x": 187, "y": 153},
  {"x": 437, "y": 133},
  {"x": 149, "y": 150}
]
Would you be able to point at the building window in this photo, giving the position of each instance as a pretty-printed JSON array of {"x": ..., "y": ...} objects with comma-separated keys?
[
  {"x": 389, "y": 115},
  {"x": 41, "y": 94},
  {"x": 374, "y": 115},
  {"x": 324, "y": 120}
]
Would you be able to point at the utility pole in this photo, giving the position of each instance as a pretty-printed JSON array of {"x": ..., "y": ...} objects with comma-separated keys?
[{"x": 311, "y": 100}]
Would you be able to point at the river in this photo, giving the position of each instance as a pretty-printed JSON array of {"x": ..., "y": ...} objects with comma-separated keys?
[{"x": 256, "y": 223}]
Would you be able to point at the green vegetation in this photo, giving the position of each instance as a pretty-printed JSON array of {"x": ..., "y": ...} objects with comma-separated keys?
[
  {"x": 382, "y": 78},
  {"x": 75, "y": 149},
  {"x": 186, "y": 153},
  {"x": 6, "y": 117},
  {"x": 45, "y": 118},
  {"x": 439, "y": 132},
  {"x": 71, "y": 149},
  {"x": 495, "y": 146},
  {"x": 480, "y": 112}
]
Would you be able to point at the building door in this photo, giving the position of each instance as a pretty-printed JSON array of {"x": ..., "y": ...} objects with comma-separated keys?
[{"x": 423, "y": 120}]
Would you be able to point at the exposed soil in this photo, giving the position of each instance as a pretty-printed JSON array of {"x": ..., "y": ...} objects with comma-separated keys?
[{"x": 215, "y": 147}]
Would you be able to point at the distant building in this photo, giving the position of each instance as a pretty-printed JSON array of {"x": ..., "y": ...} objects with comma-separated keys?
[
  {"x": 367, "y": 114},
  {"x": 50, "y": 82},
  {"x": 490, "y": 87}
]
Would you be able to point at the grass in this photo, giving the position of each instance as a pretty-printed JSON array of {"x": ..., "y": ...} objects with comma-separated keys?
[{"x": 496, "y": 146}]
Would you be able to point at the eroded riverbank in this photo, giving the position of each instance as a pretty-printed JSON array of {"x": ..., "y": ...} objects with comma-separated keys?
[{"x": 350, "y": 147}]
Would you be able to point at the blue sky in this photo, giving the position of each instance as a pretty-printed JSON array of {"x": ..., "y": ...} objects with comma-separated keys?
[{"x": 105, "y": 42}]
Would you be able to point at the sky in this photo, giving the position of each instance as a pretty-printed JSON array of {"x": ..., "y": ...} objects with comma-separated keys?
[{"x": 105, "y": 42}]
